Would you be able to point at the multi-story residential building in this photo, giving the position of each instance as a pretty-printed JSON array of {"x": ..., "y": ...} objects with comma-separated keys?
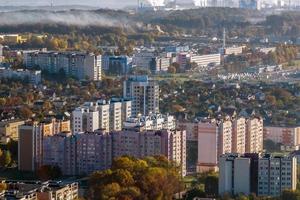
[
  {"x": 214, "y": 139},
  {"x": 93, "y": 152},
  {"x": 84, "y": 153},
  {"x": 105, "y": 115},
  {"x": 264, "y": 175},
  {"x": 34, "y": 190},
  {"x": 152, "y": 122},
  {"x": 143, "y": 59},
  {"x": 206, "y": 60},
  {"x": 183, "y": 59},
  {"x": 85, "y": 119},
  {"x": 191, "y": 129},
  {"x": 217, "y": 137},
  {"x": 9, "y": 130},
  {"x": 141, "y": 143},
  {"x": 144, "y": 93},
  {"x": 235, "y": 50},
  {"x": 235, "y": 174},
  {"x": 239, "y": 135},
  {"x": 276, "y": 174},
  {"x": 32, "y": 76},
  {"x": 1, "y": 53},
  {"x": 160, "y": 64},
  {"x": 60, "y": 150},
  {"x": 287, "y": 136},
  {"x": 116, "y": 65},
  {"x": 79, "y": 65},
  {"x": 254, "y": 135},
  {"x": 30, "y": 145}
]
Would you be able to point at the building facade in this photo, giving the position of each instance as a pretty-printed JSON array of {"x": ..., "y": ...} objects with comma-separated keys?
[
  {"x": 31, "y": 137},
  {"x": 32, "y": 76},
  {"x": 79, "y": 65},
  {"x": 144, "y": 93},
  {"x": 9, "y": 130},
  {"x": 227, "y": 135},
  {"x": 264, "y": 175},
  {"x": 276, "y": 174},
  {"x": 84, "y": 153},
  {"x": 106, "y": 115},
  {"x": 287, "y": 136}
]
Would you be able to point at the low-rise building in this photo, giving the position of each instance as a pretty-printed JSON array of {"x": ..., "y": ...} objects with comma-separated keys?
[
  {"x": 206, "y": 60},
  {"x": 34, "y": 190}
]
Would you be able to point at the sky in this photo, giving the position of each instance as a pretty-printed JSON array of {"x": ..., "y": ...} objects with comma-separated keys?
[{"x": 95, "y": 3}]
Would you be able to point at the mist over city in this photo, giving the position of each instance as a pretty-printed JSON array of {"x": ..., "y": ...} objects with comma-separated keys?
[{"x": 149, "y": 100}]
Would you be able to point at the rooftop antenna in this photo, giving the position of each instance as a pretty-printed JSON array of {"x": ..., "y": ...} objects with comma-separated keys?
[{"x": 224, "y": 38}]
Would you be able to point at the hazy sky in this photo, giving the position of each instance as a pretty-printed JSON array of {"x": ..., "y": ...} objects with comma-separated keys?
[{"x": 96, "y": 3}]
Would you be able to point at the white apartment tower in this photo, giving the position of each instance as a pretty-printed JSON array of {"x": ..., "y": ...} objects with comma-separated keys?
[
  {"x": 254, "y": 135},
  {"x": 239, "y": 135},
  {"x": 104, "y": 115},
  {"x": 144, "y": 93},
  {"x": 85, "y": 119}
]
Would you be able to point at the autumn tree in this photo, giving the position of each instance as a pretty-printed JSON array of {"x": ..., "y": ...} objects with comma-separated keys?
[
  {"x": 130, "y": 178},
  {"x": 5, "y": 159}
]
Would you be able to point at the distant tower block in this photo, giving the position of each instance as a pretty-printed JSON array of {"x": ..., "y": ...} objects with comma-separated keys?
[{"x": 224, "y": 38}]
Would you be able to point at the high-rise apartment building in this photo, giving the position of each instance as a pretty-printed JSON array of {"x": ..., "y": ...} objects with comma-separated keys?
[
  {"x": 239, "y": 135},
  {"x": 105, "y": 115},
  {"x": 93, "y": 152},
  {"x": 85, "y": 119},
  {"x": 60, "y": 150},
  {"x": 254, "y": 135},
  {"x": 276, "y": 174},
  {"x": 144, "y": 93},
  {"x": 84, "y": 153},
  {"x": 141, "y": 143},
  {"x": 30, "y": 147},
  {"x": 228, "y": 135},
  {"x": 264, "y": 175},
  {"x": 214, "y": 139},
  {"x": 31, "y": 136},
  {"x": 79, "y": 65},
  {"x": 235, "y": 174}
]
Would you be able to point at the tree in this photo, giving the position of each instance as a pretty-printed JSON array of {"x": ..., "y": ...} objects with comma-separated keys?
[
  {"x": 290, "y": 195},
  {"x": 172, "y": 70},
  {"x": 211, "y": 185},
  {"x": 25, "y": 112},
  {"x": 5, "y": 159},
  {"x": 130, "y": 178},
  {"x": 47, "y": 172}
]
